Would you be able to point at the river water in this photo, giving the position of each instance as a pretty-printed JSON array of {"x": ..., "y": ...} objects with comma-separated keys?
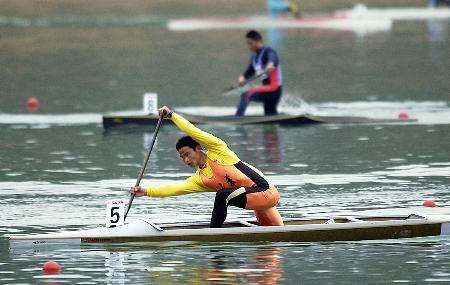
[{"x": 58, "y": 166}]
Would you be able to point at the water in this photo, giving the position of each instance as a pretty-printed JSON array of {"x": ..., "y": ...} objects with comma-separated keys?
[{"x": 58, "y": 166}]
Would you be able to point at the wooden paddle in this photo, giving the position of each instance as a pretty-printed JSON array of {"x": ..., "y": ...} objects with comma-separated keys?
[{"x": 158, "y": 125}]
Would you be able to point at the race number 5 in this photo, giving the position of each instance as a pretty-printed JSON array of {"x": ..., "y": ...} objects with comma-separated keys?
[{"x": 115, "y": 213}]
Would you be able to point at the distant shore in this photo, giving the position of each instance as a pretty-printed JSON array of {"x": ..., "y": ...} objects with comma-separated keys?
[{"x": 164, "y": 7}]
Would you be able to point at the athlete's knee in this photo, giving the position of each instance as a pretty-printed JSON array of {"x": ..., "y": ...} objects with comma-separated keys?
[
  {"x": 239, "y": 201},
  {"x": 219, "y": 213},
  {"x": 221, "y": 196},
  {"x": 231, "y": 197},
  {"x": 269, "y": 217}
]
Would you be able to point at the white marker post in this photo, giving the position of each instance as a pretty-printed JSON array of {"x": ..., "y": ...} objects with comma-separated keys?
[
  {"x": 150, "y": 101},
  {"x": 115, "y": 213}
]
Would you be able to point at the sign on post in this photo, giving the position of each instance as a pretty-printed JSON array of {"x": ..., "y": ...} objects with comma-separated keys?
[
  {"x": 115, "y": 213},
  {"x": 150, "y": 103}
]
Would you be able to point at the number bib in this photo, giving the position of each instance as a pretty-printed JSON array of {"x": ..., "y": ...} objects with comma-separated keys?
[{"x": 115, "y": 213}]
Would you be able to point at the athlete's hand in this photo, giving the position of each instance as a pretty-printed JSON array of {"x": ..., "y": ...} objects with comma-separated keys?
[
  {"x": 242, "y": 80},
  {"x": 165, "y": 112},
  {"x": 138, "y": 191},
  {"x": 270, "y": 67}
]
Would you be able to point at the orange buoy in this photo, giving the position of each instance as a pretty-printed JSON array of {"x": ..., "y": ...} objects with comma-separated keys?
[
  {"x": 429, "y": 203},
  {"x": 403, "y": 115},
  {"x": 51, "y": 267},
  {"x": 33, "y": 103}
]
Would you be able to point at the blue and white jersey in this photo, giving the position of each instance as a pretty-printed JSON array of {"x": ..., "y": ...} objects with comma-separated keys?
[{"x": 258, "y": 62}]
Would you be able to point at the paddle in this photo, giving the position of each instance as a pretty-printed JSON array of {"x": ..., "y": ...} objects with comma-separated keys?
[
  {"x": 158, "y": 125},
  {"x": 234, "y": 87}
]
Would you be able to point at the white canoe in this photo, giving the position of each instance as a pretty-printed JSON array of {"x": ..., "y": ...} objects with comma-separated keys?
[
  {"x": 412, "y": 13},
  {"x": 335, "y": 22},
  {"x": 295, "y": 230},
  {"x": 359, "y": 19}
]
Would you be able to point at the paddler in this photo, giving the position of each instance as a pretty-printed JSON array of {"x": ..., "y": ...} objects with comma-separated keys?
[
  {"x": 219, "y": 170},
  {"x": 264, "y": 63},
  {"x": 280, "y": 7}
]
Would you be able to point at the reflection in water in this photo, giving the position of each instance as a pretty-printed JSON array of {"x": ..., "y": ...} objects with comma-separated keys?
[
  {"x": 268, "y": 260},
  {"x": 235, "y": 263},
  {"x": 264, "y": 267},
  {"x": 115, "y": 269},
  {"x": 147, "y": 140},
  {"x": 264, "y": 147},
  {"x": 272, "y": 145},
  {"x": 222, "y": 266}
]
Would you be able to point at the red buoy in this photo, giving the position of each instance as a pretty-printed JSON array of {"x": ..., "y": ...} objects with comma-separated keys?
[
  {"x": 403, "y": 115},
  {"x": 33, "y": 103},
  {"x": 51, "y": 267},
  {"x": 429, "y": 203}
]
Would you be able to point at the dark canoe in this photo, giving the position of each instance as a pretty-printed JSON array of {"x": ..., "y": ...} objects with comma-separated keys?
[{"x": 114, "y": 120}]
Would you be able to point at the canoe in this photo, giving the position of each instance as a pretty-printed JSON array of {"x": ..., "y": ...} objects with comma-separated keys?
[
  {"x": 329, "y": 22},
  {"x": 113, "y": 120},
  {"x": 397, "y": 14},
  {"x": 317, "y": 229},
  {"x": 360, "y": 19}
]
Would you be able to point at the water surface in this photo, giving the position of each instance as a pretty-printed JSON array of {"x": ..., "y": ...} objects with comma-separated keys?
[{"x": 58, "y": 166}]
